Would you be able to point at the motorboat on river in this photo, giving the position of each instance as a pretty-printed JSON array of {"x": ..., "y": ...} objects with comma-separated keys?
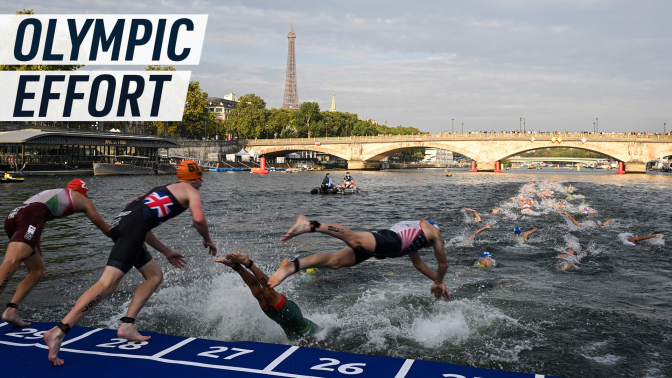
[
  {"x": 124, "y": 165},
  {"x": 16, "y": 180}
]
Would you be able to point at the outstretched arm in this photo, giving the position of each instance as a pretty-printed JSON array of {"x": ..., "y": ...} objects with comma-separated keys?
[
  {"x": 635, "y": 239},
  {"x": 196, "y": 208},
  {"x": 471, "y": 237},
  {"x": 84, "y": 205},
  {"x": 175, "y": 259},
  {"x": 478, "y": 217},
  {"x": 570, "y": 217}
]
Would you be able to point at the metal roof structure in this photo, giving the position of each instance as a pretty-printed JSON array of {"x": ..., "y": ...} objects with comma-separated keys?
[{"x": 37, "y": 136}]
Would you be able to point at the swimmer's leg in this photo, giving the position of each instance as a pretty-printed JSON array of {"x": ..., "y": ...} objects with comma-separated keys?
[
  {"x": 343, "y": 258},
  {"x": 36, "y": 269},
  {"x": 351, "y": 238},
  {"x": 105, "y": 286},
  {"x": 249, "y": 279},
  {"x": 153, "y": 277}
]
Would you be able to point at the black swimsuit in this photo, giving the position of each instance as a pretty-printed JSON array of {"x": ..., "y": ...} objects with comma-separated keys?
[{"x": 130, "y": 228}]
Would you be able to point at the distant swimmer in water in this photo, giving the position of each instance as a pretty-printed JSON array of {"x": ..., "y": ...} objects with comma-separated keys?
[
  {"x": 571, "y": 218},
  {"x": 24, "y": 227},
  {"x": 570, "y": 256},
  {"x": 497, "y": 210},
  {"x": 605, "y": 223},
  {"x": 131, "y": 229},
  {"x": 588, "y": 210},
  {"x": 404, "y": 238},
  {"x": 472, "y": 236},
  {"x": 528, "y": 210},
  {"x": 632, "y": 240},
  {"x": 477, "y": 218},
  {"x": 521, "y": 236},
  {"x": 275, "y": 305},
  {"x": 485, "y": 261},
  {"x": 570, "y": 187}
]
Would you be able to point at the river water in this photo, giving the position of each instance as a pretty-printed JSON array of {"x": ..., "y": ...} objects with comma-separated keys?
[{"x": 607, "y": 316}]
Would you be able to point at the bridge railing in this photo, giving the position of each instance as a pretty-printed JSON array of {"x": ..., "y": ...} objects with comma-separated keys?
[{"x": 448, "y": 136}]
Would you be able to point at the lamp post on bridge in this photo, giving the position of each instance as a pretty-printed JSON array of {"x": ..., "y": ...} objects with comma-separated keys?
[
  {"x": 520, "y": 126},
  {"x": 524, "y": 129},
  {"x": 593, "y": 126},
  {"x": 597, "y": 125},
  {"x": 452, "y": 126},
  {"x": 664, "y": 124}
]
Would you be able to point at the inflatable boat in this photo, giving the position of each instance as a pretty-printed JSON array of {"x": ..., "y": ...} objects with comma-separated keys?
[{"x": 335, "y": 190}]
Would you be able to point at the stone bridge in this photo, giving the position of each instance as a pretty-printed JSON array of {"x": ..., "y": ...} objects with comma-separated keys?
[{"x": 486, "y": 149}]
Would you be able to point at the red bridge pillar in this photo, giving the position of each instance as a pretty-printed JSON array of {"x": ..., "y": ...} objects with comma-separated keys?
[{"x": 473, "y": 166}]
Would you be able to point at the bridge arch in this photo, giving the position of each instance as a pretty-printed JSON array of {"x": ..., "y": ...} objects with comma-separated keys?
[
  {"x": 392, "y": 149},
  {"x": 601, "y": 151},
  {"x": 281, "y": 150}
]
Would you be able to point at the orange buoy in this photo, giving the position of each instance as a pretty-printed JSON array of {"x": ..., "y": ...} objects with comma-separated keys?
[
  {"x": 473, "y": 166},
  {"x": 262, "y": 170}
]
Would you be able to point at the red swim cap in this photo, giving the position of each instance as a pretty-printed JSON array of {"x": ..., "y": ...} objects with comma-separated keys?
[{"x": 78, "y": 186}]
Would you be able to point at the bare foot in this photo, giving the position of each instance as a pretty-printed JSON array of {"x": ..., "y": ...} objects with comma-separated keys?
[
  {"x": 226, "y": 262},
  {"x": 127, "y": 331},
  {"x": 239, "y": 258},
  {"x": 53, "y": 338},
  {"x": 11, "y": 316},
  {"x": 301, "y": 226},
  {"x": 286, "y": 269}
]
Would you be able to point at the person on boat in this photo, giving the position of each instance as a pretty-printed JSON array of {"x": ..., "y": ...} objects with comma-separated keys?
[
  {"x": 275, "y": 305},
  {"x": 404, "y": 238},
  {"x": 7, "y": 175},
  {"x": 521, "y": 237},
  {"x": 477, "y": 218},
  {"x": 326, "y": 182},
  {"x": 571, "y": 258},
  {"x": 24, "y": 226},
  {"x": 348, "y": 182},
  {"x": 472, "y": 236},
  {"x": 130, "y": 230},
  {"x": 633, "y": 240},
  {"x": 485, "y": 261}
]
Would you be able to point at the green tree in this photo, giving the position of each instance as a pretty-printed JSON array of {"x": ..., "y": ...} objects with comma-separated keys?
[
  {"x": 250, "y": 117},
  {"x": 278, "y": 119},
  {"x": 310, "y": 112},
  {"x": 196, "y": 114}
]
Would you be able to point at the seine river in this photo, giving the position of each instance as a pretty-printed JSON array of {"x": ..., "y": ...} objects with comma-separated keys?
[{"x": 610, "y": 315}]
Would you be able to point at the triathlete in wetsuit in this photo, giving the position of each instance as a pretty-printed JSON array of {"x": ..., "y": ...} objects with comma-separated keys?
[
  {"x": 24, "y": 227},
  {"x": 275, "y": 305},
  {"x": 130, "y": 230},
  {"x": 404, "y": 238}
]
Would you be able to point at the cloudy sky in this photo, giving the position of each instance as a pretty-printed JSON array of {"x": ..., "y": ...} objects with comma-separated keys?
[{"x": 558, "y": 64}]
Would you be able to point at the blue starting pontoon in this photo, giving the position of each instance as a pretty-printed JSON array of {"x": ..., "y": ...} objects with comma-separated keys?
[{"x": 95, "y": 352}]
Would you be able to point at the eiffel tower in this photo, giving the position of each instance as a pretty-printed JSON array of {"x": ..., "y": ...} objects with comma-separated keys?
[{"x": 291, "y": 100}]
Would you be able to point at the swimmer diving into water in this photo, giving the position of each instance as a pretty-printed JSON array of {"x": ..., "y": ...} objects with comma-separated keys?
[
  {"x": 404, "y": 238},
  {"x": 275, "y": 305},
  {"x": 130, "y": 230}
]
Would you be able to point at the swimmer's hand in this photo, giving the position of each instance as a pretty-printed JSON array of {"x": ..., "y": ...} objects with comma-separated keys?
[
  {"x": 212, "y": 246},
  {"x": 439, "y": 290},
  {"x": 176, "y": 259}
]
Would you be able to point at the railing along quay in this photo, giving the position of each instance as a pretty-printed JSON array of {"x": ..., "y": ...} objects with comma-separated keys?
[{"x": 473, "y": 136}]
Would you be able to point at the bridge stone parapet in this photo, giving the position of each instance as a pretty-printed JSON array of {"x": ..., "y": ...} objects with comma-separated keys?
[{"x": 486, "y": 149}]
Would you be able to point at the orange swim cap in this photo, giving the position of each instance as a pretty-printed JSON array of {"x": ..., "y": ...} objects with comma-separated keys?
[
  {"x": 189, "y": 170},
  {"x": 78, "y": 186}
]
